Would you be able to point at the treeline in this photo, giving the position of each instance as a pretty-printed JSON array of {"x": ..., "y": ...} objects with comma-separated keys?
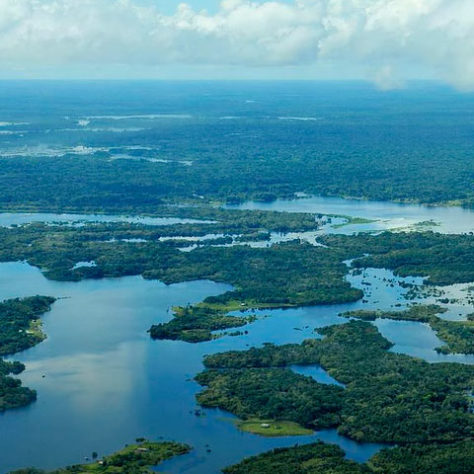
[
  {"x": 136, "y": 458},
  {"x": 247, "y": 159},
  {"x": 458, "y": 335},
  {"x": 16, "y": 334},
  {"x": 320, "y": 458},
  {"x": 442, "y": 259}
]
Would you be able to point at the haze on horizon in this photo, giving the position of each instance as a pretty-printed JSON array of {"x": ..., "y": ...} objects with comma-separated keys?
[{"x": 384, "y": 41}]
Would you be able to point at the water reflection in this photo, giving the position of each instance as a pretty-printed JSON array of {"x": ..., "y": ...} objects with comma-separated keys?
[
  {"x": 317, "y": 373},
  {"x": 11, "y": 219},
  {"x": 387, "y": 215}
]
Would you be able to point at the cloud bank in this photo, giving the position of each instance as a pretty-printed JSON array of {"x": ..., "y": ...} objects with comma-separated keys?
[{"x": 379, "y": 36}]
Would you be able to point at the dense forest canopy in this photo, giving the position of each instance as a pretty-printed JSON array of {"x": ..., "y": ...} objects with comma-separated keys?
[
  {"x": 260, "y": 141},
  {"x": 388, "y": 397},
  {"x": 319, "y": 458},
  {"x": 19, "y": 330}
]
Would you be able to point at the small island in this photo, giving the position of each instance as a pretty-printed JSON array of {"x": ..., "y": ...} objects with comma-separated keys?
[
  {"x": 20, "y": 329},
  {"x": 136, "y": 458}
]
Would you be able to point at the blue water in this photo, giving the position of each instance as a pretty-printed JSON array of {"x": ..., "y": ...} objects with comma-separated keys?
[
  {"x": 102, "y": 381},
  {"x": 387, "y": 215},
  {"x": 9, "y": 219}
]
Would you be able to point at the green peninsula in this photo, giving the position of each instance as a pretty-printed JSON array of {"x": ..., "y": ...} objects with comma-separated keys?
[
  {"x": 19, "y": 330},
  {"x": 136, "y": 458}
]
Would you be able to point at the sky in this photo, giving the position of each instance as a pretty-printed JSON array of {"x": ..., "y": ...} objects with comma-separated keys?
[{"x": 385, "y": 41}]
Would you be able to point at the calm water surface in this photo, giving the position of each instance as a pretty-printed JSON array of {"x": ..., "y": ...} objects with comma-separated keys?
[
  {"x": 388, "y": 215},
  {"x": 7, "y": 219},
  {"x": 102, "y": 382}
]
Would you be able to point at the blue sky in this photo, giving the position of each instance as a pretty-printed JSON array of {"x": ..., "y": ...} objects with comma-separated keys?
[
  {"x": 169, "y": 6},
  {"x": 384, "y": 41}
]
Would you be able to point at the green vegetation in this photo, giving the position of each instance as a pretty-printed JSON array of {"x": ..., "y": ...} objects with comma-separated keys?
[
  {"x": 196, "y": 323},
  {"x": 458, "y": 335},
  {"x": 317, "y": 458},
  {"x": 134, "y": 459},
  {"x": 429, "y": 223},
  {"x": 419, "y": 313},
  {"x": 320, "y": 458},
  {"x": 19, "y": 323},
  {"x": 12, "y": 394},
  {"x": 275, "y": 394},
  {"x": 442, "y": 259},
  {"x": 455, "y": 458},
  {"x": 272, "y": 428},
  {"x": 388, "y": 397},
  {"x": 353, "y": 220},
  {"x": 19, "y": 330}
]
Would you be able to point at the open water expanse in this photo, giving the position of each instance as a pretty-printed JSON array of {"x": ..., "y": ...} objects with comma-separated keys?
[
  {"x": 102, "y": 381},
  {"x": 385, "y": 215}
]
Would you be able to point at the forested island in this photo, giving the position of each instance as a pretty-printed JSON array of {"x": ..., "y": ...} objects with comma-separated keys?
[
  {"x": 19, "y": 329},
  {"x": 137, "y": 458},
  {"x": 20, "y": 323}
]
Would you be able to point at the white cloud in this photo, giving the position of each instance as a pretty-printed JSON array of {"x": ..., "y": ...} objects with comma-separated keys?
[{"x": 372, "y": 35}]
